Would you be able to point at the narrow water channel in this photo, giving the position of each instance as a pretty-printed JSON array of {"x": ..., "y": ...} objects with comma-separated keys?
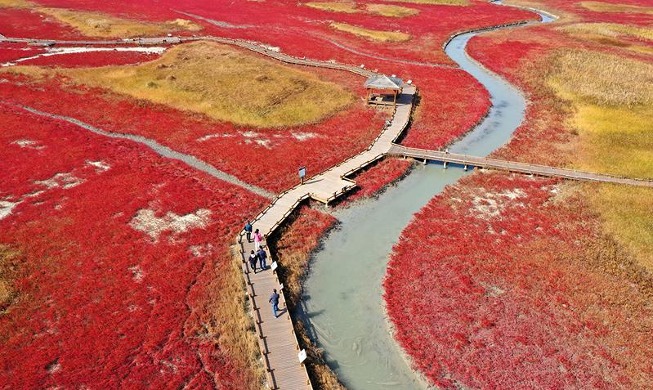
[{"x": 343, "y": 293}]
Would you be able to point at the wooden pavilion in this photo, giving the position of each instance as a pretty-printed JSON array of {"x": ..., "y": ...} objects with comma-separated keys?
[{"x": 383, "y": 90}]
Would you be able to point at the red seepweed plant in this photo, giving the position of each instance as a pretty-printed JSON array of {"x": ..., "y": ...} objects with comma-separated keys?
[
  {"x": 126, "y": 256},
  {"x": 489, "y": 288}
]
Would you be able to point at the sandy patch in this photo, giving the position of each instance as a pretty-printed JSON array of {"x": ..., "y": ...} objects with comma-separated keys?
[
  {"x": 100, "y": 165},
  {"x": 211, "y": 136},
  {"x": 263, "y": 142},
  {"x": 492, "y": 204},
  {"x": 147, "y": 222},
  {"x": 6, "y": 207},
  {"x": 28, "y": 143},
  {"x": 303, "y": 136},
  {"x": 201, "y": 250},
  {"x": 64, "y": 180},
  {"x": 137, "y": 273},
  {"x": 250, "y": 134}
]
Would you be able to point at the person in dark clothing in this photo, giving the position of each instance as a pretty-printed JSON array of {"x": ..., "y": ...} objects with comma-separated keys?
[
  {"x": 274, "y": 300},
  {"x": 253, "y": 257},
  {"x": 262, "y": 258},
  {"x": 248, "y": 231}
]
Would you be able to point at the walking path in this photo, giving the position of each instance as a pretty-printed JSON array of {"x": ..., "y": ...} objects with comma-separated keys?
[
  {"x": 276, "y": 336},
  {"x": 511, "y": 166},
  {"x": 332, "y": 183}
]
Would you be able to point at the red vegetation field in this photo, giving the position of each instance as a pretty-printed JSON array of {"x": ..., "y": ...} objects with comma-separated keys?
[
  {"x": 374, "y": 179},
  {"x": 268, "y": 158},
  {"x": 13, "y": 51},
  {"x": 488, "y": 288},
  {"x": 123, "y": 257},
  {"x": 22, "y": 23},
  {"x": 91, "y": 59},
  {"x": 541, "y": 135},
  {"x": 102, "y": 304}
]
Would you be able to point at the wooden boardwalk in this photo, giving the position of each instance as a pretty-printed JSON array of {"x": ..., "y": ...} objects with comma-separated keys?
[
  {"x": 330, "y": 184},
  {"x": 276, "y": 336},
  {"x": 511, "y": 166}
]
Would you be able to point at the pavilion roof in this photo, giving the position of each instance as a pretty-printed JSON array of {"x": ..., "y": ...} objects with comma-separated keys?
[{"x": 384, "y": 82}]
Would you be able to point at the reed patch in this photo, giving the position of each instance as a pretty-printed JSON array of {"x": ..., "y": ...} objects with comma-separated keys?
[
  {"x": 372, "y": 35},
  {"x": 613, "y": 101},
  {"x": 598, "y": 6},
  {"x": 350, "y": 7},
  {"x": 97, "y": 24},
  {"x": 433, "y": 2},
  {"x": 634, "y": 38},
  {"x": 602, "y": 79},
  {"x": 222, "y": 83}
]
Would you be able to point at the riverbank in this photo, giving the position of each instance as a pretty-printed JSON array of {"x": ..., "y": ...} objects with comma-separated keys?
[{"x": 528, "y": 274}]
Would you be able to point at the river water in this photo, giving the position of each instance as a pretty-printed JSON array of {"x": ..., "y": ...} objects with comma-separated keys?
[{"x": 343, "y": 298}]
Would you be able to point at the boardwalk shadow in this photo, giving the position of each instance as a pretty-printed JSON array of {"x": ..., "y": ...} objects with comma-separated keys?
[{"x": 313, "y": 181}]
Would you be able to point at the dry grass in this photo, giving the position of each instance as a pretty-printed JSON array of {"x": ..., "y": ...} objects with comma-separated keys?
[
  {"x": 597, "y": 6},
  {"x": 613, "y": 101},
  {"x": 602, "y": 79},
  {"x": 372, "y": 35},
  {"x": 16, "y": 4},
  {"x": 433, "y": 2},
  {"x": 95, "y": 24},
  {"x": 616, "y": 139},
  {"x": 8, "y": 271},
  {"x": 348, "y": 7},
  {"x": 627, "y": 215},
  {"x": 394, "y": 11},
  {"x": 222, "y": 83},
  {"x": 613, "y": 34}
]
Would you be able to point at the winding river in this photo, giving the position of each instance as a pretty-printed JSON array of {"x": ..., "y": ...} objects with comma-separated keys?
[{"x": 343, "y": 298}]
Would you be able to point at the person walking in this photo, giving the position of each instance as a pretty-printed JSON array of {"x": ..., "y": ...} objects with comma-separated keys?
[
  {"x": 252, "y": 260},
  {"x": 258, "y": 238},
  {"x": 262, "y": 258},
  {"x": 274, "y": 300},
  {"x": 248, "y": 231}
]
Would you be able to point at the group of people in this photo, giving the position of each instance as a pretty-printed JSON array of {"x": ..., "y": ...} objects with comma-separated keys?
[
  {"x": 258, "y": 237},
  {"x": 259, "y": 256}
]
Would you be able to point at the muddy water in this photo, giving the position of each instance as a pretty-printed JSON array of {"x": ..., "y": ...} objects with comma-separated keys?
[{"x": 343, "y": 294}]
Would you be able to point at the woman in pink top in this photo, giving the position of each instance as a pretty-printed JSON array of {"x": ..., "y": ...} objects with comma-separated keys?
[{"x": 258, "y": 237}]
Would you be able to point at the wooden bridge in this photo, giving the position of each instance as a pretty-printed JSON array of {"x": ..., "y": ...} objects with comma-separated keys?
[{"x": 511, "y": 166}]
